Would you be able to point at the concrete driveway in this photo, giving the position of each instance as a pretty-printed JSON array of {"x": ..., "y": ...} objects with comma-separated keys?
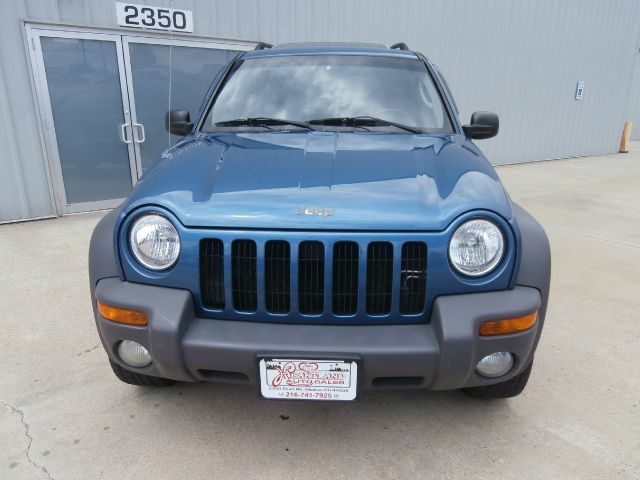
[{"x": 65, "y": 416}]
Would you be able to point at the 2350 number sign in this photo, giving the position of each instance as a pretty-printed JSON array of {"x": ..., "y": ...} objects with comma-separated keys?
[{"x": 159, "y": 18}]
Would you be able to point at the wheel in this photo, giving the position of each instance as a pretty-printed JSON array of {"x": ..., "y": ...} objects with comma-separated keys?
[
  {"x": 512, "y": 387},
  {"x": 134, "y": 378}
]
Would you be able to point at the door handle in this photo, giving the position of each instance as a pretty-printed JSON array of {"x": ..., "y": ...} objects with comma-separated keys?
[
  {"x": 140, "y": 137},
  {"x": 123, "y": 132}
]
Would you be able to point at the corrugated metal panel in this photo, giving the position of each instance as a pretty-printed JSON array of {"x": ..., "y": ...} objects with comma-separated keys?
[
  {"x": 634, "y": 89},
  {"x": 24, "y": 183},
  {"x": 521, "y": 59}
]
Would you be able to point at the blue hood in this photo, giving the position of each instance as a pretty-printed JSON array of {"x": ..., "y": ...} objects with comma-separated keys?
[{"x": 366, "y": 181}]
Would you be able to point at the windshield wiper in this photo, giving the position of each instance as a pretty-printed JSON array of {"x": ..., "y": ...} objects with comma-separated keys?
[
  {"x": 362, "y": 121},
  {"x": 262, "y": 122}
]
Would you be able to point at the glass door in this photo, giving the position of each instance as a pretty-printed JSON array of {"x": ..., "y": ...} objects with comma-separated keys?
[
  {"x": 87, "y": 124},
  {"x": 163, "y": 74},
  {"x": 103, "y": 98}
]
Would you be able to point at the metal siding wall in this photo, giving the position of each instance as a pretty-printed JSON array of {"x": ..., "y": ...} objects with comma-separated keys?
[
  {"x": 521, "y": 59},
  {"x": 634, "y": 90},
  {"x": 634, "y": 104},
  {"x": 24, "y": 184}
]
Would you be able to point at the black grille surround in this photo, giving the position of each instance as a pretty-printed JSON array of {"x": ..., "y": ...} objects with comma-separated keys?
[
  {"x": 366, "y": 278},
  {"x": 244, "y": 275},
  {"x": 311, "y": 277},
  {"x": 277, "y": 271},
  {"x": 379, "y": 277},
  {"x": 212, "y": 273},
  {"x": 345, "y": 278},
  {"x": 413, "y": 277}
]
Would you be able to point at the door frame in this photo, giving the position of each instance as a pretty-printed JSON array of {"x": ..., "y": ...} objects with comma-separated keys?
[
  {"x": 167, "y": 41},
  {"x": 34, "y": 30}
]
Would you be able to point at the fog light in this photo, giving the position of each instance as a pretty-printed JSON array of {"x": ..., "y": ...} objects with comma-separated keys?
[
  {"x": 133, "y": 354},
  {"x": 495, "y": 365}
]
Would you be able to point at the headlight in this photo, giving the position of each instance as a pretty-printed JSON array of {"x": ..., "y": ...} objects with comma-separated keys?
[
  {"x": 476, "y": 247},
  {"x": 154, "y": 242}
]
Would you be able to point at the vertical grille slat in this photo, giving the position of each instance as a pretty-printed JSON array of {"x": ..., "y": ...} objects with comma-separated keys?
[
  {"x": 345, "y": 278},
  {"x": 212, "y": 273},
  {"x": 277, "y": 259},
  {"x": 413, "y": 277},
  {"x": 379, "y": 277},
  {"x": 243, "y": 266},
  {"x": 311, "y": 277}
]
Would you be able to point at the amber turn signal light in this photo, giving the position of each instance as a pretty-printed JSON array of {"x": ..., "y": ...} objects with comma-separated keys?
[
  {"x": 508, "y": 325},
  {"x": 122, "y": 315}
]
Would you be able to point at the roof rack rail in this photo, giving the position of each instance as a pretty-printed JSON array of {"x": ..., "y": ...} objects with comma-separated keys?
[
  {"x": 262, "y": 46},
  {"x": 399, "y": 46}
]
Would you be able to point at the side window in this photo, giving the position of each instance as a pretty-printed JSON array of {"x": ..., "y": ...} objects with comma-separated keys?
[{"x": 446, "y": 87}]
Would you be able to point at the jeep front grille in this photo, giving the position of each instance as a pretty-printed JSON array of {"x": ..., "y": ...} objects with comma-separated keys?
[{"x": 375, "y": 278}]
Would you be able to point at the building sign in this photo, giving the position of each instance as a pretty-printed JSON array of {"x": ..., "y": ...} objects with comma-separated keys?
[{"x": 157, "y": 18}]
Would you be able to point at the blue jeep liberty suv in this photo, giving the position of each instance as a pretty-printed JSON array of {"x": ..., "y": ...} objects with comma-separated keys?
[{"x": 326, "y": 225}]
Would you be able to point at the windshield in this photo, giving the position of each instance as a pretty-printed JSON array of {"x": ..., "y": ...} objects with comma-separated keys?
[{"x": 324, "y": 88}]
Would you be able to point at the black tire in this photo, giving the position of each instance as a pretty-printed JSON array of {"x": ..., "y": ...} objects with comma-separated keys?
[
  {"x": 134, "y": 378},
  {"x": 511, "y": 388}
]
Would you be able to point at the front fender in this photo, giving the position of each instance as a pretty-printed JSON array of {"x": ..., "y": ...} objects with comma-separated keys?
[
  {"x": 102, "y": 254},
  {"x": 535, "y": 262}
]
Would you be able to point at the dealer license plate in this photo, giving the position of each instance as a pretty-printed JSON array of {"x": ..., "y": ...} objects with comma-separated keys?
[{"x": 308, "y": 379}]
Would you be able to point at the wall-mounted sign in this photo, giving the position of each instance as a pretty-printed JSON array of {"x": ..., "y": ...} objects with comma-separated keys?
[
  {"x": 580, "y": 90},
  {"x": 157, "y": 18}
]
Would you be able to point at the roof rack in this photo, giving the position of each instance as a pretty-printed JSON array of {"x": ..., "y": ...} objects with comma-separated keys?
[
  {"x": 263, "y": 46},
  {"x": 399, "y": 46}
]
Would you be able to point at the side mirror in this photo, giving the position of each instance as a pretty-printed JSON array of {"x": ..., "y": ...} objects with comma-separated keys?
[
  {"x": 178, "y": 122},
  {"x": 483, "y": 125}
]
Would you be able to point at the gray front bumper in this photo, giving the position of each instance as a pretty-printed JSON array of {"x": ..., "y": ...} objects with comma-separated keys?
[{"x": 440, "y": 355}]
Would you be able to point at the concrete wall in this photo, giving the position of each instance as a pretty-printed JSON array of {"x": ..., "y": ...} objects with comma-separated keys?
[{"x": 521, "y": 59}]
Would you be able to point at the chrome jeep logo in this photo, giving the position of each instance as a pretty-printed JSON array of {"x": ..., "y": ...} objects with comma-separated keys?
[{"x": 323, "y": 212}]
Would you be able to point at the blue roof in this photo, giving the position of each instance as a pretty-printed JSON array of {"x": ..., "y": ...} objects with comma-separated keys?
[{"x": 332, "y": 48}]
